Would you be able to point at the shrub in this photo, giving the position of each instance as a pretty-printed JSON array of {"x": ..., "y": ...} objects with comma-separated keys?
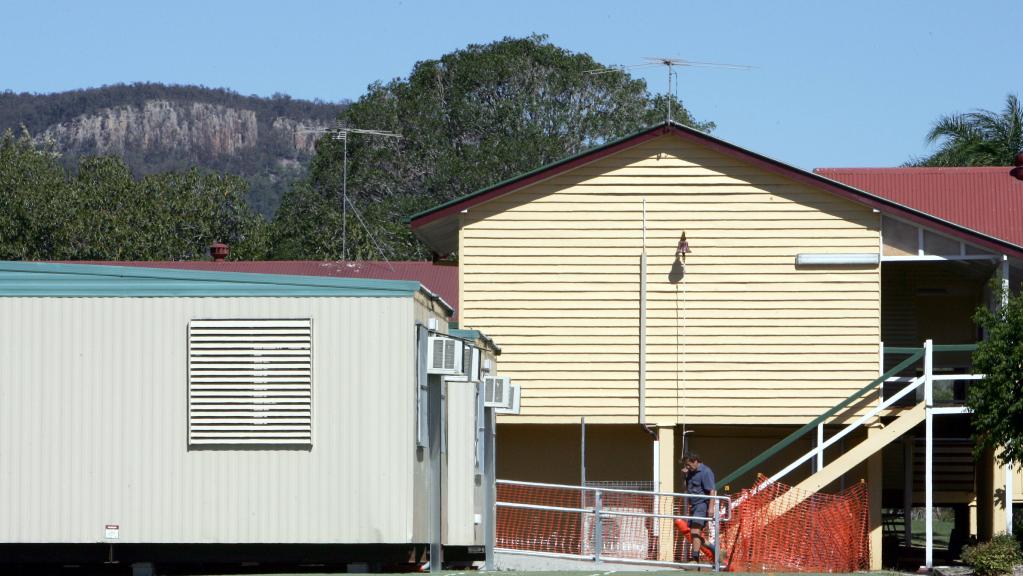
[{"x": 995, "y": 557}]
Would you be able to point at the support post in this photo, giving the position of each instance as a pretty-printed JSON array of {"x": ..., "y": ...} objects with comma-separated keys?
[
  {"x": 435, "y": 411},
  {"x": 907, "y": 493},
  {"x": 657, "y": 461},
  {"x": 582, "y": 451},
  {"x": 666, "y": 483},
  {"x": 1008, "y": 498},
  {"x": 875, "y": 475},
  {"x": 598, "y": 525},
  {"x": 929, "y": 453},
  {"x": 716, "y": 547},
  {"x": 489, "y": 488},
  {"x": 1008, "y": 467}
]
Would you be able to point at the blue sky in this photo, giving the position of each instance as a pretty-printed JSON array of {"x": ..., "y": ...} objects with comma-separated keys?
[{"x": 835, "y": 84}]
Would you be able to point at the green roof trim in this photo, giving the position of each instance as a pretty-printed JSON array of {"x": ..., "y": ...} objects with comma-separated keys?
[
  {"x": 475, "y": 335},
  {"x": 68, "y": 280},
  {"x": 543, "y": 168}
]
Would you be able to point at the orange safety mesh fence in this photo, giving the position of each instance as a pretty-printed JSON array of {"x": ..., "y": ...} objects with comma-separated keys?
[
  {"x": 630, "y": 526},
  {"x": 775, "y": 528}
]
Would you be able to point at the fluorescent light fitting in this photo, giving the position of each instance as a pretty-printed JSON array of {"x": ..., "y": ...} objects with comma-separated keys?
[{"x": 852, "y": 259}]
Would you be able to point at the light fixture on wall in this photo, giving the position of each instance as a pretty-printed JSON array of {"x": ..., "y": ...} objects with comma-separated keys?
[{"x": 840, "y": 259}]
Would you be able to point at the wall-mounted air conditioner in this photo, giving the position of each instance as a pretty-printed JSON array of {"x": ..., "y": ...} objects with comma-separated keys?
[
  {"x": 516, "y": 401},
  {"x": 444, "y": 356},
  {"x": 497, "y": 392},
  {"x": 472, "y": 363}
]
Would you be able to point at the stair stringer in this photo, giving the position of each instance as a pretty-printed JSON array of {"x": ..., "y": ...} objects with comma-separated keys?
[{"x": 832, "y": 471}]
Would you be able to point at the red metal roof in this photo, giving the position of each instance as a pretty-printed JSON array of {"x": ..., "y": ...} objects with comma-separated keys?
[
  {"x": 439, "y": 279},
  {"x": 987, "y": 200}
]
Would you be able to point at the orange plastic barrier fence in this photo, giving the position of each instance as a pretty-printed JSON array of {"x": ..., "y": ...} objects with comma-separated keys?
[
  {"x": 779, "y": 529},
  {"x": 773, "y": 527}
]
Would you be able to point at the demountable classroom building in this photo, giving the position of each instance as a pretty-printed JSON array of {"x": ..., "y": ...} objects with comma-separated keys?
[{"x": 161, "y": 415}]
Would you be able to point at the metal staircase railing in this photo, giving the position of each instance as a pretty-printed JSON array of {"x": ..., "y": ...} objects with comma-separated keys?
[
  {"x": 903, "y": 423},
  {"x": 914, "y": 354}
]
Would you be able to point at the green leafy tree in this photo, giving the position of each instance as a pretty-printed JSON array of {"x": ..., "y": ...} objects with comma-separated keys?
[
  {"x": 30, "y": 180},
  {"x": 102, "y": 212},
  {"x": 997, "y": 400},
  {"x": 469, "y": 119},
  {"x": 979, "y": 138}
]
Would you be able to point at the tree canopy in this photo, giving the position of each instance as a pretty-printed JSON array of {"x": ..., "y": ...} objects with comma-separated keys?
[
  {"x": 997, "y": 400},
  {"x": 978, "y": 138},
  {"x": 101, "y": 212},
  {"x": 469, "y": 119}
]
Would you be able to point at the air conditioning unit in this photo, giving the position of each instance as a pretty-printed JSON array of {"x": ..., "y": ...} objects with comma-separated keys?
[
  {"x": 472, "y": 363},
  {"x": 444, "y": 356},
  {"x": 497, "y": 392},
  {"x": 516, "y": 401}
]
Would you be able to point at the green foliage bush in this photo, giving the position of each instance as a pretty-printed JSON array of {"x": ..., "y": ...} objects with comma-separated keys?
[
  {"x": 102, "y": 212},
  {"x": 995, "y": 557},
  {"x": 997, "y": 400}
]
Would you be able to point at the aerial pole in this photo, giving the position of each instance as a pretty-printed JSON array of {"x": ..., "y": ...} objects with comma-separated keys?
[
  {"x": 668, "y": 63},
  {"x": 342, "y": 132}
]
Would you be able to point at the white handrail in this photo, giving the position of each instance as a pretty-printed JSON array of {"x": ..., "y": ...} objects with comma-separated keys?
[{"x": 845, "y": 431}]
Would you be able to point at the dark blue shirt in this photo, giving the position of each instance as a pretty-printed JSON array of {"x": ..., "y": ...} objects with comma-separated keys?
[{"x": 700, "y": 482}]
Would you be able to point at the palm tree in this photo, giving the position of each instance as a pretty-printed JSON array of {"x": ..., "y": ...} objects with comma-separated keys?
[{"x": 979, "y": 138}]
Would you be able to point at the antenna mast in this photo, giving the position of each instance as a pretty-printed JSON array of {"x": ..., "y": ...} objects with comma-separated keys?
[
  {"x": 669, "y": 63},
  {"x": 341, "y": 132}
]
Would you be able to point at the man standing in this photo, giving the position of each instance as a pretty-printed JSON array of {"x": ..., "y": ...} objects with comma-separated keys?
[{"x": 699, "y": 481}]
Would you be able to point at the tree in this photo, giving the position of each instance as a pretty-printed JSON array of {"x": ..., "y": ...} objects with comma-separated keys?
[
  {"x": 997, "y": 400},
  {"x": 469, "y": 119},
  {"x": 979, "y": 138},
  {"x": 101, "y": 212}
]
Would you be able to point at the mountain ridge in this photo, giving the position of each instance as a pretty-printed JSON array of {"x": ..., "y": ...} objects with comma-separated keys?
[{"x": 157, "y": 127}]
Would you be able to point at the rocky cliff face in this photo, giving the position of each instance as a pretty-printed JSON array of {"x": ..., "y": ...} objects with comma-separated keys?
[
  {"x": 157, "y": 127},
  {"x": 160, "y": 125}
]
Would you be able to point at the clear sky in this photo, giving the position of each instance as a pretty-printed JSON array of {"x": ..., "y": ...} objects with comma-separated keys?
[{"x": 836, "y": 83}]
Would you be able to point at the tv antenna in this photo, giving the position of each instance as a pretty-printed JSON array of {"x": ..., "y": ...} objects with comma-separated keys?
[
  {"x": 670, "y": 64},
  {"x": 341, "y": 132}
]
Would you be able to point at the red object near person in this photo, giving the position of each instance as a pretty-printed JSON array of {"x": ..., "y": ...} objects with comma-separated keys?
[{"x": 683, "y": 527}]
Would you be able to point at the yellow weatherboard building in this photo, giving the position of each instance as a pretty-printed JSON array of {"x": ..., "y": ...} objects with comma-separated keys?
[{"x": 674, "y": 291}]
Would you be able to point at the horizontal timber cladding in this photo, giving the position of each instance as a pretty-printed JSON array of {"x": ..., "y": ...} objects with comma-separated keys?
[
  {"x": 94, "y": 426},
  {"x": 552, "y": 272}
]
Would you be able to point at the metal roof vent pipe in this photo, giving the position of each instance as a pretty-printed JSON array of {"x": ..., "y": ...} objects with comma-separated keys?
[
  {"x": 219, "y": 251},
  {"x": 1017, "y": 172}
]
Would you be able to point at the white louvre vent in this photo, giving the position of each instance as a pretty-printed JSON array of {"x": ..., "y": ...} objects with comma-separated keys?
[{"x": 250, "y": 382}]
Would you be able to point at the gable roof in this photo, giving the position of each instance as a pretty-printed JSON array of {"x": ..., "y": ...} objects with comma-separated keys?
[
  {"x": 438, "y": 226},
  {"x": 151, "y": 279},
  {"x": 984, "y": 199}
]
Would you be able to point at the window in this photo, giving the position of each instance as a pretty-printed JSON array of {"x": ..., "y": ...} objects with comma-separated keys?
[{"x": 250, "y": 382}]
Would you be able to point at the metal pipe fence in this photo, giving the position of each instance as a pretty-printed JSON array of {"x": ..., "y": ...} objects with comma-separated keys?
[{"x": 606, "y": 524}]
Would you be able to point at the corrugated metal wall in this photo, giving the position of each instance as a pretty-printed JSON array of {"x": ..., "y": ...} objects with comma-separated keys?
[{"x": 93, "y": 426}]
